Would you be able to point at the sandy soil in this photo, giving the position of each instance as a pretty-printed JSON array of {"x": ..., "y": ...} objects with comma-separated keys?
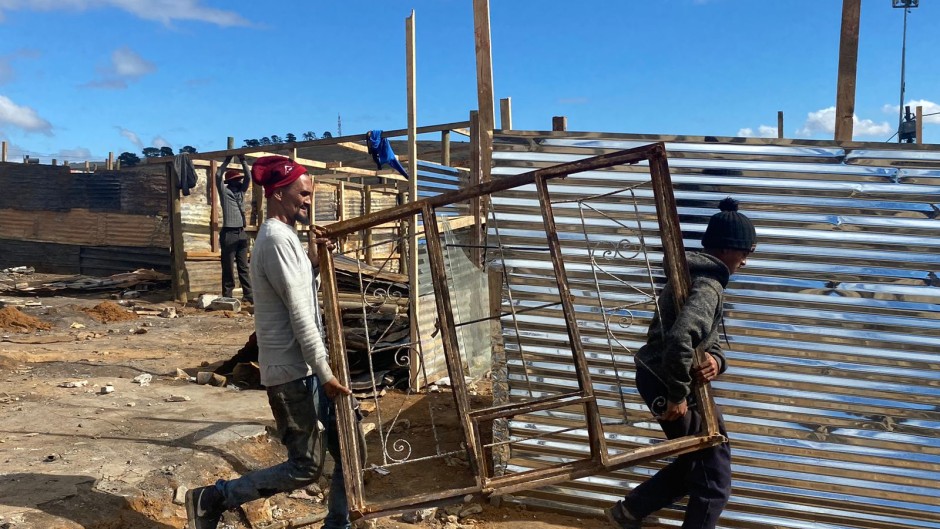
[{"x": 76, "y": 457}]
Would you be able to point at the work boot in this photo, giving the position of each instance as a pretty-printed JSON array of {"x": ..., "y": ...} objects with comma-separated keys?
[
  {"x": 621, "y": 518},
  {"x": 204, "y": 507}
]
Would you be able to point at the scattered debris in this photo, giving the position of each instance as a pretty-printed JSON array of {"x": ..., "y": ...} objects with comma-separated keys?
[
  {"x": 130, "y": 294},
  {"x": 168, "y": 312},
  {"x": 140, "y": 330},
  {"x": 106, "y": 389},
  {"x": 476, "y": 508},
  {"x": 179, "y": 497},
  {"x": 13, "y": 319},
  {"x": 382, "y": 471},
  {"x": 138, "y": 279},
  {"x": 208, "y": 377},
  {"x": 107, "y": 312},
  {"x": 74, "y": 384},
  {"x": 52, "y": 457},
  {"x": 178, "y": 398},
  {"x": 180, "y": 374},
  {"x": 415, "y": 517},
  {"x": 19, "y": 270},
  {"x": 76, "y": 325},
  {"x": 205, "y": 300},
  {"x": 143, "y": 379},
  {"x": 229, "y": 304}
]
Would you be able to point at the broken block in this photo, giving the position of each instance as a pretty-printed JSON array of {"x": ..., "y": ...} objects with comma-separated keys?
[{"x": 231, "y": 304}]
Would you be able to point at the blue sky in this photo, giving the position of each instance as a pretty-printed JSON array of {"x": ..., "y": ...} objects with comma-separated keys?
[{"x": 79, "y": 78}]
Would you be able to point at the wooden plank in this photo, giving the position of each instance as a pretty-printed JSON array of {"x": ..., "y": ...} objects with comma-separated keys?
[
  {"x": 286, "y": 147},
  {"x": 412, "y": 243},
  {"x": 345, "y": 417},
  {"x": 582, "y": 373},
  {"x": 559, "y": 123},
  {"x": 463, "y": 132},
  {"x": 677, "y": 269},
  {"x": 505, "y": 113},
  {"x": 780, "y": 124},
  {"x": 476, "y": 177},
  {"x": 485, "y": 96},
  {"x": 445, "y": 147},
  {"x": 351, "y": 145},
  {"x": 341, "y": 212},
  {"x": 448, "y": 329},
  {"x": 367, "y": 209},
  {"x": 848, "y": 64},
  {"x": 214, "y": 205},
  {"x": 179, "y": 286},
  {"x": 110, "y": 165},
  {"x": 628, "y": 156}
]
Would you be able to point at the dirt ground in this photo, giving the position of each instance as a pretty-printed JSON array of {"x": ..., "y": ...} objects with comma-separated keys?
[{"x": 73, "y": 456}]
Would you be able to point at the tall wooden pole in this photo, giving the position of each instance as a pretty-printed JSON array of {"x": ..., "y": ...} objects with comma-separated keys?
[
  {"x": 214, "y": 205},
  {"x": 848, "y": 63},
  {"x": 110, "y": 161},
  {"x": 413, "y": 304},
  {"x": 559, "y": 123},
  {"x": 780, "y": 124},
  {"x": 445, "y": 147},
  {"x": 481, "y": 31}
]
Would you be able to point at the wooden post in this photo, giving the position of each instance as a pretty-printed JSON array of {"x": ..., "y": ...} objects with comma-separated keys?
[
  {"x": 559, "y": 123},
  {"x": 117, "y": 164},
  {"x": 55, "y": 162},
  {"x": 367, "y": 209},
  {"x": 445, "y": 148},
  {"x": 3, "y": 151},
  {"x": 780, "y": 124},
  {"x": 412, "y": 266},
  {"x": 213, "y": 205},
  {"x": 341, "y": 212},
  {"x": 505, "y": 113},
  {"x": 848, "y": 64},
  {"x": 920, "y": 124},
  {"x": 176, "y": 235},
  {"x": 87, "y": 165},
  {"x": 485, "y": 98},
  {"x": 476, "y": 176},
  {"x": 110, "y": 165}
]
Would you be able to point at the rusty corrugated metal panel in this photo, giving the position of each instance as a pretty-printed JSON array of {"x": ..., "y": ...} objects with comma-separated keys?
[{"x": 831, "y": 398}]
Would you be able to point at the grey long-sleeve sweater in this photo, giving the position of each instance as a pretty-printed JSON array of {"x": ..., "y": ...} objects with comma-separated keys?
[
  {"x": 673, "y": 337},
  {"x": 232, "y": 197},
  {"x": 287, "y": 322}
]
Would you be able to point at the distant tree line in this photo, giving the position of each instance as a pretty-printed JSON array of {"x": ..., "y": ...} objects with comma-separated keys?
[
  {"x": 129, "y": 159},
  {"x": 288, "y": 138}
]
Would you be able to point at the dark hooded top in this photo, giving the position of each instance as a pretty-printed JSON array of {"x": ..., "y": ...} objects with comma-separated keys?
[{"x": 673, "y": 337}]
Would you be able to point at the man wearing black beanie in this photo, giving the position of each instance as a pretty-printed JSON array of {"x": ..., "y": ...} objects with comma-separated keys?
[{"x": 665, "y": 374}]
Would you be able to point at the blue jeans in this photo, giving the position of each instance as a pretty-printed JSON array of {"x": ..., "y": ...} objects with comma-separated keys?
[
  {"x": 704, "y": 475},
  {"x": 297, "y": 406}
]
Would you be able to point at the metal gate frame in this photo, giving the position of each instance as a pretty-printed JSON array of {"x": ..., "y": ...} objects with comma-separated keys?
[{"x": 470, "y": 420}]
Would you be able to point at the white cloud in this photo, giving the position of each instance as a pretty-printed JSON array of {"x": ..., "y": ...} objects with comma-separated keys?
[
  {"x": 131, "y": 136},
  {"x": 126, "y": 65},
  {"x": 929, "y": 108},
  {"x": 160, "y": 142},
  {"x": 78, "y": 153},
  {"x": 824, "y": 122},
  {"x": 763, "y": 131},
  {"x": 164, "y": 11},
  {"x": 22, "y": 117}
]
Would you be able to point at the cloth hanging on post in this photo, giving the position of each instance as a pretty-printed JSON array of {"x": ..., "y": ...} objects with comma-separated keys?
[
  {"x": 381, "y": 151},
  {"x": 185, "y": 173}
]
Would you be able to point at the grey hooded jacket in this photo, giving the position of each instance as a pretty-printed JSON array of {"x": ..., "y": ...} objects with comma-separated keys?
[{"x": 673, "y": 337}]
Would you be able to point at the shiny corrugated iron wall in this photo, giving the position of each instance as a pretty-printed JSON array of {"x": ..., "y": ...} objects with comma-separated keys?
[{"x": 832, "y": 398}]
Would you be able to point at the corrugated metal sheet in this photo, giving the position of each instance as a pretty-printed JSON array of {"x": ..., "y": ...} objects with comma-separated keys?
[
  {"x": 832, "y": 398},
  {"x": 110, "y": 260},
  {"x": 434, "y": 179}
]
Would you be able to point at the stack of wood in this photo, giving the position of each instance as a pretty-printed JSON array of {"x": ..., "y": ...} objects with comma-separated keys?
[{"x": 377, "y": 303}]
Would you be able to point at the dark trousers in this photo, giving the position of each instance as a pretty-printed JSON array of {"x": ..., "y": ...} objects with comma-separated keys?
[
  {"x": 704, "y": 475},
  {"x": 234, "y": 243},
  {"x": 299, "y": 408}
]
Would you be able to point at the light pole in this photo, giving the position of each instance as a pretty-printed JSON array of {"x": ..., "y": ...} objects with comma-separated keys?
[{"x": 906, "y": 5}]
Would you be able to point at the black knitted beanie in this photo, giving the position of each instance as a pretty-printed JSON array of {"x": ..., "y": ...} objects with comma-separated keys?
[{"x": 729, "y": 229}]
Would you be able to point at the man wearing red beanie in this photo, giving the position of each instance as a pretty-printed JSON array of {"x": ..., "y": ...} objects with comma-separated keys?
[
  {"x": 294, "y": 364},
  {"x": 233, "y": 239}
]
